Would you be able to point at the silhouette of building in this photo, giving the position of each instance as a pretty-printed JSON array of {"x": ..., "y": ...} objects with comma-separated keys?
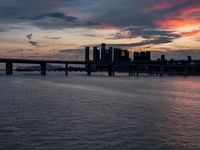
[
  {"x": 110, "y": 55},
  {"x": 96, "y": 55},
  {"x": 121, "y": 55},
  {"x": 124, "y": 55},
  {"x": 103, "y": 53},
  {"x": 162, "y": 58},
  {"x": 87, "y": 54},
  {"x": 136, "y": 56},
  {"x": 115, "y": 54},
  {"x": 142, "y": 56},
  {"x": 189, "y": 58},
  {"x": 148, "y": 55}
]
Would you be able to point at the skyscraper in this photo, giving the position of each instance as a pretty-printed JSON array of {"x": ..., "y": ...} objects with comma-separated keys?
[{"x": 103, "y": 53}]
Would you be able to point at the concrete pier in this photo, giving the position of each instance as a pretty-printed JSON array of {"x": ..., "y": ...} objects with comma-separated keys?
[
  {"x": 161, "y": 70},
  {"x": 185, "y": 70},
  {"x": 130, "y": 70},
  {"x": 89, "y": 69},
  {"x": 110, "y": 70},
  {"x": 66, "y": 69},
  {"x": 9, "y": 68},
  {"x": 43, "y": 68},
  {"x": 138, "y": 69}
]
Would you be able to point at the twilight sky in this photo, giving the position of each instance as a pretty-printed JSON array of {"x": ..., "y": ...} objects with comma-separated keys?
[{"x": 63, "y": 27}]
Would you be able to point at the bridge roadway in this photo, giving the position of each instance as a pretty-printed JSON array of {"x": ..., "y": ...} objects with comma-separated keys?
[
  {"x": 34, "y": 61},
  {"x": 133, "y": 66}
]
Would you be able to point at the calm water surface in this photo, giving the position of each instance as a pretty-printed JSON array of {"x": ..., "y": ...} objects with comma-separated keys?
[{"x": 99, "y": 112}]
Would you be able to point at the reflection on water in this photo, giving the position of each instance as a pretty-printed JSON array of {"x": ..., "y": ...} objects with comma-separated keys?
[{"x": 99, "y": 112}]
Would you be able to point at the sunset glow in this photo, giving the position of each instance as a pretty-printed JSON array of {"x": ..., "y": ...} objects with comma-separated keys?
[{"x": 66, "y": 25}]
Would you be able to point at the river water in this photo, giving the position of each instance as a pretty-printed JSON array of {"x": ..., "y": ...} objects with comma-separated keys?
[{"x": 99, "y": 112}]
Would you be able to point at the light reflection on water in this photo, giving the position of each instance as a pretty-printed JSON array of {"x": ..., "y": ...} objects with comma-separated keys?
[{"x": 99, "y": 112}]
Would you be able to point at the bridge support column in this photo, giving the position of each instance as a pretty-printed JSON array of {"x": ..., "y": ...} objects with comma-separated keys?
[
  {"x": 137, "y": 73},
  {"x": 66, "y": 69},
  {"x": 88, "y": 69},
  {"x": 43, "y": 68},
  {"x": 130, "y": 70},
  {"x": 161, "y": 70},
  {"x": 110, "y": 62},
  {"x": 186, "y": 70},
  {"x": 110, "y": 70},
  {"x": 9, "y": 68}
]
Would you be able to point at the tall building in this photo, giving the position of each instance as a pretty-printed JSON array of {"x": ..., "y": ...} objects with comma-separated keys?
[
  {"x": 163, "y": 58},
  {"x": 148, "y": 55},
  {"x": 136, "y": 56},
  {"x": 116, "y": 54},
  {"x": 87, "y": 54},
  {"x": 142, "y": 56},
  {"x": 189, "y": 58},
  {"x": 96, "y": 55},
  {"x": 103, "y": 53},
  {"x": 110, "y": 59}
]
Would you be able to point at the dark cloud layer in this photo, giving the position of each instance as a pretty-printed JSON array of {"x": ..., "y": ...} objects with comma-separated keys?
[
  {"x": 57, "y": 15},
  {"x": 149, "y": 19},
  {"x": 51, "y": 14}
]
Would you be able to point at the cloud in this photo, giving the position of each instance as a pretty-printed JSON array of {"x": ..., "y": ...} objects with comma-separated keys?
[
  {"x": 177, "y": 23},
  {"x": 57, "y": 20},
  {"x": 90, "y": 35},
  {"x": 29, "y": 36},
  {"x": 3, "y": 29},
  {"x": 57, "y": 15},
  {"x": 14, "y": 50},
  {"x": 163, "y": 5},
  {"x": 145, "y": 32},
  {"x": 154, "y": 20},
  {"x": 148, "y": 42},
  {"x": 159, "y": 40},
  {"x": 90, "y": 23},
  {"x": 191, "y": 33},
  {"x": 178, "y": 15},
  {"x": 71, "y": 51},
  {"x": 33, "y": 43},
  {"x": 52, "y": 38}
]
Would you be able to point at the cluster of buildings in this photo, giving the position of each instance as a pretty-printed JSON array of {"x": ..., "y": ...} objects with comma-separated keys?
[
  {"x": 142, "y": 56},
  {"x": 104, "y": 55}
]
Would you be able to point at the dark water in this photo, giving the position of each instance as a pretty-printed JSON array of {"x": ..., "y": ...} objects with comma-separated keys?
[{"x": 99, "y": 112}]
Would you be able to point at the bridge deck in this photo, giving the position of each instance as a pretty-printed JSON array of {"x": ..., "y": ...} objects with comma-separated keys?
[{"x": 32, "y": 61}]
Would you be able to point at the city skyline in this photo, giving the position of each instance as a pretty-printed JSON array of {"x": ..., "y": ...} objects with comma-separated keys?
[{"x": 61, "y": 29}]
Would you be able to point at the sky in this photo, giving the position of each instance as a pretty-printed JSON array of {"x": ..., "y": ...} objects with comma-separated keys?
[{"x": 60, "y": 29}]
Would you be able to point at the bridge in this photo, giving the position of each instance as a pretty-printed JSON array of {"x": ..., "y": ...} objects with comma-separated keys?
[
  {"x": 152, "y": 67},
  {"x": 115, "y": 60},
  {"x": 43, "y": 63}
]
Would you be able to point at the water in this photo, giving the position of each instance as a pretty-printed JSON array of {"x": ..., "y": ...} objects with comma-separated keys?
[{"x": 99, "y": 112}]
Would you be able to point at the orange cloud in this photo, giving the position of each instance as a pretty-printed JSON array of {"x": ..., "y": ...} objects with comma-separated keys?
[
  {"x": 160, "y": 6},
  {"x": 191, "y": 33},
  {"x": 183, "y": 18},
  {"x": 177, "y": 23},
  {"x": 108, "y": 27},
  {"x": 188, "y": 11},
  {"x": 165, "y": 4}
]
